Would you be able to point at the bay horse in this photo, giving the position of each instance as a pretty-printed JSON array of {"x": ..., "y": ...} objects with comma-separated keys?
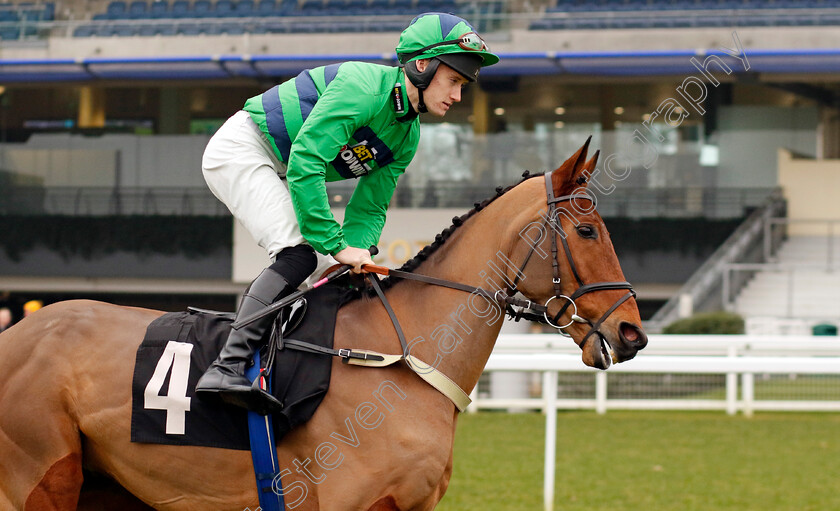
[{"x": 382, "y": 438}]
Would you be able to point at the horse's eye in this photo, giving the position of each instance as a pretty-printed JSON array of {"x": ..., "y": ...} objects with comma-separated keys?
[{"x": 587, "y": 231}]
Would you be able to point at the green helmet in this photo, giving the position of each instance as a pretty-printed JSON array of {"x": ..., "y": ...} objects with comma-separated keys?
[{"x": 447, "y": 38}]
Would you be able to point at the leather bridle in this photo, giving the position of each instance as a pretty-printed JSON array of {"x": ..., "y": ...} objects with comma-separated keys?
[
  {"x": 527, "y": 309},
  {"x": 582, "y": 288}
]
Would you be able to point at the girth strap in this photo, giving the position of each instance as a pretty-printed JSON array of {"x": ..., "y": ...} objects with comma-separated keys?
[
  {"x": 430, "y": 374},
  {"x": 321, "y": 350}
]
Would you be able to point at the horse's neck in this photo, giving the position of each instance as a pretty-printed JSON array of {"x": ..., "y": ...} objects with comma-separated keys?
[{"x": 454, "y": 330}]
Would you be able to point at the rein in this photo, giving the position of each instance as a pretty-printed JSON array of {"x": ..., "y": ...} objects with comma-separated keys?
[
  {"x": 527, "y": 309},
  {"x": 505, "y": 298}
]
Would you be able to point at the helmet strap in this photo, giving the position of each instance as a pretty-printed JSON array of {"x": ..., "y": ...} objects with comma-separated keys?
[
  {"x": 421, "y": 105},
  {"x": 421, "y": 79}
]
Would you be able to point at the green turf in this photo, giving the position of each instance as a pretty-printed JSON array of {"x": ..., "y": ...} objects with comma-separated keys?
[{"x": 649, "y": 461}]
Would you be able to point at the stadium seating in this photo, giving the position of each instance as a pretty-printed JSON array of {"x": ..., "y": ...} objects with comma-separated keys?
[
  {"x": 682, "y": 5},
  {"x": 138, "y": 9},
  {"x": 159, "y": 9},
  {"x": 488, "y": 14},
  {"x": 804, "y": 292},
  {"x": 180, "y": 9},
  {"x": 250, "y": 10},
  {"x": 19, "y": 21},
  {"x": 606, "y": 14},
  {"x": 243, "y": 9},
  {"x": 224, "y": 9}
]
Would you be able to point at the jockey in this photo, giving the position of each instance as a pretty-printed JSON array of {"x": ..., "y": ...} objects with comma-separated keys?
[{"x": 269, "y": 163}]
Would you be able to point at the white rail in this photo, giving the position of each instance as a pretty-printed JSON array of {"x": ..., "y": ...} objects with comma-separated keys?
[
  {"x": 799, "y": 345},
  {"x": 538, "y": 353}
]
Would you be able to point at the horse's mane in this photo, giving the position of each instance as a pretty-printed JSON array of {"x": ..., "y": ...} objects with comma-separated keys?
[{"x": 415, "y": 262}]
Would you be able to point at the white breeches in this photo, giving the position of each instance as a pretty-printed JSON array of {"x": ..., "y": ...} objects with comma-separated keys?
[{"x": 241, "y": 170}]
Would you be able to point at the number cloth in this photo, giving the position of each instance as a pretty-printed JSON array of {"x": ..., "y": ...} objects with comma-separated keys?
[{"x": 178, "y": 348}]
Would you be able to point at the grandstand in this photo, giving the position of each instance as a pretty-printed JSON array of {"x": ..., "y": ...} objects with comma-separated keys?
[
  {"x": 130, "y": 18},
  {"x": 106, "y": 105},
  {"x": 718, "y": 123}
]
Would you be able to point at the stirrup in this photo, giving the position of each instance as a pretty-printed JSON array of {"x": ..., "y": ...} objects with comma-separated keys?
[{"x": 252, "y": 398}]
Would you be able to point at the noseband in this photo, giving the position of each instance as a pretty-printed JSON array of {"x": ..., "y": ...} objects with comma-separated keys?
[
  {"x": 527, "y": 309},
  {"x": 540, "y": 313}
]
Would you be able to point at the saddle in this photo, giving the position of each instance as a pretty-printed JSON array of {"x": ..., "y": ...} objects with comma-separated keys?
[{"x": 180, "y": 346}]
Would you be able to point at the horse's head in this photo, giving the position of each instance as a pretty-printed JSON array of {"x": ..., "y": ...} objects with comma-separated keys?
[{"x": 569, "y": 265}]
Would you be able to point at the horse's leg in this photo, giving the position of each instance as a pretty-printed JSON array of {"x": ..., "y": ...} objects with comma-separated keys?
[
  {"x": 41, "y": 466},
  {"x": 40, "y": 443},
  {"x": 58, "y": 489},
  {"x": 99, "y": 492}
]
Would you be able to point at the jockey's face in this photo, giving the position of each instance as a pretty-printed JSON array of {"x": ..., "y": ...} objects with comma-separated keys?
[{"x": 445, "y": 89}]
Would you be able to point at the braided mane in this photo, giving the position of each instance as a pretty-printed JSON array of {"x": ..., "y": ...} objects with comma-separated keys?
[
  {"x": 413, "y": 263},
  {"x": 457, "y": 221}
]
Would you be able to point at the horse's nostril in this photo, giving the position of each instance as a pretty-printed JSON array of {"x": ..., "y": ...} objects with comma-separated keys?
[
  {"x": 629, "y": 332},
  {"x": 633, "y": 334}
]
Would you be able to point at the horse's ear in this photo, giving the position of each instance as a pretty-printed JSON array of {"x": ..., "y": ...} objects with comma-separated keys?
[
  {"x": 588, "y": 169},
  {"x": 566, "y": 177}
]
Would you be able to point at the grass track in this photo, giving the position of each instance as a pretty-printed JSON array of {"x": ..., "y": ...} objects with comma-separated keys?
[{"x": 651, "y": 461}]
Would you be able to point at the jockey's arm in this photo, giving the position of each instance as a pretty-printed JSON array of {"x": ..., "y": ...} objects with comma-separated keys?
[
  {"x": 364, "y": 217},
  {"x": 339, "y": 112}
]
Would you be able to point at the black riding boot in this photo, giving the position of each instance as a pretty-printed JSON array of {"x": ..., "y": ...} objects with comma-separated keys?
[{"x": 225, "y": 379}]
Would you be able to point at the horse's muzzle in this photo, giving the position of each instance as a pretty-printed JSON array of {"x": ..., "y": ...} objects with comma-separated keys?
[
  {"x": 631, "y": 339},
  {"x": 601, "y": 351}
]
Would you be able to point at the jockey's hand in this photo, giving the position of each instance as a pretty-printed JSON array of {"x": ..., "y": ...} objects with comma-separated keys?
[{"x": 355, "y": 257}]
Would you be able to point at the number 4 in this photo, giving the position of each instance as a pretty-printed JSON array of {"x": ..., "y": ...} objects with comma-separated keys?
[{"x": 175, "y": 402}]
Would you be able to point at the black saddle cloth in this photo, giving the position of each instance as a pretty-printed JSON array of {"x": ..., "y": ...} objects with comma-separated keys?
[{"x": 181, "y": 345}]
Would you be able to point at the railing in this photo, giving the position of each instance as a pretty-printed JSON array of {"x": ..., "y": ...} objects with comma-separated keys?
[
  {"x": 33, "y": 30},
  {"x": 762, "y": 368},
  {"x": 700, "y": 292},
  {"x": 731, "y": 367},
  {"x": 106, "y": 201},
  {"x": 686, "y": 345},
  {"x": 772, "y": 232},
  {"x": 736, "y": 275},
  {"x": 484, "y": 21},
  {"x": 624, "y": 202},
  {"x": 675, "y": 355},
  {"x": 685, "y": 17}
]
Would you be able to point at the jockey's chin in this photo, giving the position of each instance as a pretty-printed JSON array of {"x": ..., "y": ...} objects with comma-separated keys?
[{"x": 439, "y": 110}]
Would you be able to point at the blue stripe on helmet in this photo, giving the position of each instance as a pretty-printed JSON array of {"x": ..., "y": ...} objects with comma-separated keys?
[
  {"x": 330, "y": 72},
  {"x": 274, "y": 121},
  {"x": 448, "y": 22},
  {"x": 307, "y": 93}
]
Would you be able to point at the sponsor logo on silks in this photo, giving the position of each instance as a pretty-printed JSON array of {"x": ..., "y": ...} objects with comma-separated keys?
[
  {"x": 353, "y": 160},
  {"x": 399, "y": 107}
]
